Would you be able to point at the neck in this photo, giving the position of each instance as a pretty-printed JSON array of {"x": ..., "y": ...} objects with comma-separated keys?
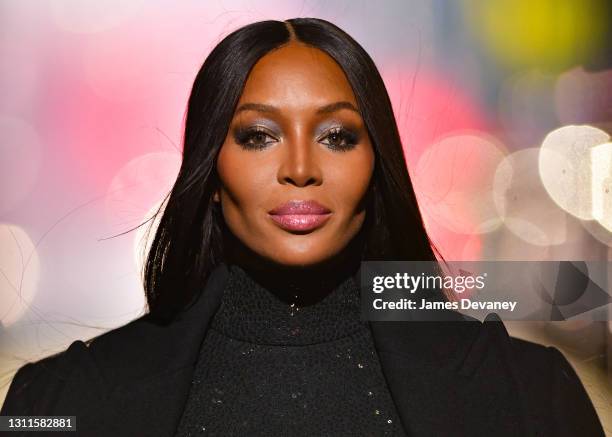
[{"x": 300, "y": 285}]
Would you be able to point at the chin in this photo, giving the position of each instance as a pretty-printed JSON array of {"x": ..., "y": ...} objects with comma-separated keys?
[
  {"x": 292, "y": 257},
  {"x": 298, "y": 260}
]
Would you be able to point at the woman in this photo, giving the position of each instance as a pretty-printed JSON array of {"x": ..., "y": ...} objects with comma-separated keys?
[{"x": 292, "y": 174}]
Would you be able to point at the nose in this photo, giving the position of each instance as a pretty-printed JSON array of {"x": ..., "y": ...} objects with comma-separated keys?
[{"x": 299, "y": 164}]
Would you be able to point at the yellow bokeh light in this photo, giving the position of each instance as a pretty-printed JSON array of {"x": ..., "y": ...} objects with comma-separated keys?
[{"x": 550, "y": 33}]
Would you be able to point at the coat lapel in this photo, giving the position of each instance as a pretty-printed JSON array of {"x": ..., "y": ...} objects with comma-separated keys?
[{"x": 441, "y": 375}]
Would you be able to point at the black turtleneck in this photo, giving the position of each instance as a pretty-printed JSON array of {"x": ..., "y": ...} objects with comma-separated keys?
[{"x": 268, "y": 367}]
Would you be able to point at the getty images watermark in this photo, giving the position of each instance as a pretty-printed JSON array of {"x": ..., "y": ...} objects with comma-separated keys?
[{"x": 514, "y": 290}]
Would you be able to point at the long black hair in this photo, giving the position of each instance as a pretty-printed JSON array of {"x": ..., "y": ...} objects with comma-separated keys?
[{"x": 188, "y": 242}]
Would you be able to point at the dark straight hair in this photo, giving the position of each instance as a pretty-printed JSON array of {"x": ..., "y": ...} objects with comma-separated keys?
[{"x": 188, "y": 242}]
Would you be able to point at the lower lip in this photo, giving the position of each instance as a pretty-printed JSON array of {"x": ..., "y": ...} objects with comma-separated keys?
[{"x": 300, "y": 222}]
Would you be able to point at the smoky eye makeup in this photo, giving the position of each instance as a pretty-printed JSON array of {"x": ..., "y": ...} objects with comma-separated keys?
[
  {"x": 253, "y": 137},
  {"x": 337, "y": 136},
  {"x": 256, "y": 135}
]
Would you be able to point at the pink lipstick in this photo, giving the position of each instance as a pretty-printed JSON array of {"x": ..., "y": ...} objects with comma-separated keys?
[{"x": 300, "y": 215}]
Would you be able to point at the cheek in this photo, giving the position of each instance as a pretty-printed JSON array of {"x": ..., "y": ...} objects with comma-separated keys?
[
  {"x": 350, "y": 182},
  {"x": 243, "y": 180}
]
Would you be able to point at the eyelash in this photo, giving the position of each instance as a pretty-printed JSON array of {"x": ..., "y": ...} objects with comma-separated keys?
[{"x": 244, "y": 137}]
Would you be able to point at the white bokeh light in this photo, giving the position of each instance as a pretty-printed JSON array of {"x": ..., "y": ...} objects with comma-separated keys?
[
  {"x": 566, "y": 170},
  {"x": 19, "y": 273},
  {"x": 523, "y": 203},
  {"x": 601, "y": 171}
]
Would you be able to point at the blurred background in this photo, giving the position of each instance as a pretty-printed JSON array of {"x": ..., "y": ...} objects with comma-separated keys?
[{"x": 504, "y": 106}]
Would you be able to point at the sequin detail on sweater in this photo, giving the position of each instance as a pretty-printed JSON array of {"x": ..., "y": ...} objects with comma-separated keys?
[{"x": 267, "y": 368}]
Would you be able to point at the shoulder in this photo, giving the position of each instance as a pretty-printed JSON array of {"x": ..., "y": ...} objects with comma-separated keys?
[
  {"x": 552, "y": 393},
  {"x": 553, "y": 386},
  {"x": 37, "y": 384},
  {"x": 45, "y": 376},
  {"x": 121, "y": 357},
  {"x": 537, "y": 363}
]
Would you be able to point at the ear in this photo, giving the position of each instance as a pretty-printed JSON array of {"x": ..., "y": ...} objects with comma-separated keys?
[{"x": 216, "y": 196}]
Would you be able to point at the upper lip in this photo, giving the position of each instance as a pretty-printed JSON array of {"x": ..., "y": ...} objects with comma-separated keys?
[{"x": 300, "y": 207}]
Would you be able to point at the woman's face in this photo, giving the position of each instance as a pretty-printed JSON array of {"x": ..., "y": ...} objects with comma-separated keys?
[{"x": 296, "y": 137}]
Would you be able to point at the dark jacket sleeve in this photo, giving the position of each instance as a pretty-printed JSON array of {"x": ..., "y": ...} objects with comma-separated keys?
[
  {"x": 37, "y": 387},
  {"x": 17, "y": 402},
  {"x": 32, "y": 388},
  {"x": 573, "y": 411}
]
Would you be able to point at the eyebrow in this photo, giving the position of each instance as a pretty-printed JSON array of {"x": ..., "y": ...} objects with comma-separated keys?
[{"x": 269, "y": 109}]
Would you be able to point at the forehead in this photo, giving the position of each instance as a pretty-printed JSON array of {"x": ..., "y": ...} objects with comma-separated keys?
[{"x": 297, "y": 76}]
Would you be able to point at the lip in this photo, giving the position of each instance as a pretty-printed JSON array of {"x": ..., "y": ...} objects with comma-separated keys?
[{"x": 300, "y": 215}]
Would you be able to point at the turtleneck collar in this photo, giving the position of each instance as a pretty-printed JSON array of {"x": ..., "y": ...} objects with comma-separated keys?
[{"x": 250, "y": 312}]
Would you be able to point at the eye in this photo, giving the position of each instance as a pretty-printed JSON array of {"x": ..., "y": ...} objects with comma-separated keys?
[
  {"x": 252, "y": 137},
  {"x": 341, "y": 139}
]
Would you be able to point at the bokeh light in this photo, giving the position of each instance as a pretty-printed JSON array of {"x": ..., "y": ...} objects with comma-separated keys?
[
  {"x": 549, "y": 33},
  {"x": 428, "y": 106},
  {"x": 601, "y": 179},
  {"x": 19, "y": 273},
  {"x": 138, "y": 185},
  {"x": 453, "y": 179},
  {"x": 566, "y": 169},
  {"x": 522, "y": 202}
]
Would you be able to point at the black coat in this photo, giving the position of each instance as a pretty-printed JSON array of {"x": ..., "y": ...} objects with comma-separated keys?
[{"x": 446, "y": 378}]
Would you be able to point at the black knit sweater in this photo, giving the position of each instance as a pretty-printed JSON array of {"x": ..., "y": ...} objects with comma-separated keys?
[{"x": 273, "y": 369}]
